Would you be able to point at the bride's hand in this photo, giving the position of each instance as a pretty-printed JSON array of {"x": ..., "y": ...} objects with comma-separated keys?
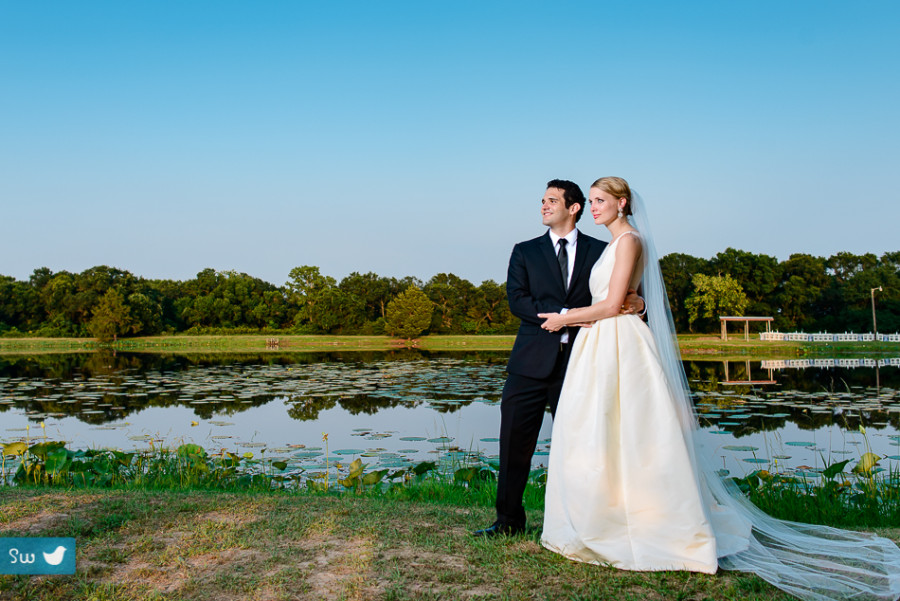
[
  {"x": 554, "y": 321},
  {"x": 633, "y": 305}
]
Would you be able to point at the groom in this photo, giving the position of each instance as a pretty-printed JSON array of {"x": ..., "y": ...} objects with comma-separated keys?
[{"x": 547, "y": 274}]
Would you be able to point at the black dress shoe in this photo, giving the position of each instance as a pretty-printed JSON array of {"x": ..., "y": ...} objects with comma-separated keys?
[{"x": 498, "y": 529}]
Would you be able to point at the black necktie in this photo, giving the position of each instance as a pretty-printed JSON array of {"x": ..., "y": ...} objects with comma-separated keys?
[{"x": 563, "y": 257}]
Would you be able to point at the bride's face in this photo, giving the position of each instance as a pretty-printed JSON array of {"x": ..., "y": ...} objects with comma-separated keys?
[{"x": 604, "y": 206}]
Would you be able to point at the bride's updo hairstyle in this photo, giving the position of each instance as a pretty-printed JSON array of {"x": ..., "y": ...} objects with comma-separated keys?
[{"x": 616, "y": 186}]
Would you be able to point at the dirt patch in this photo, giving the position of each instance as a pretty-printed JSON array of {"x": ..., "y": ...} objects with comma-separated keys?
[
  {"x": 417, "y": 559},
  {"x": 227, "y": 518},
  {"x": 425, "y": 566},
  {"x": 167, "y": 560},
  {"x": 55, "y": 509},
  {"x": 173, "y": 576},
  {"x": 342, "y": 569}
]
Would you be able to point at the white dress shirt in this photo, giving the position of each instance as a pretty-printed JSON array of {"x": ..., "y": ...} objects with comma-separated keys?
[{"x": 571, "y": 249}]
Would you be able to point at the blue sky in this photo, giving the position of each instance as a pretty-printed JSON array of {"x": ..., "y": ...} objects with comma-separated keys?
[{"x": 412, "y": 138}]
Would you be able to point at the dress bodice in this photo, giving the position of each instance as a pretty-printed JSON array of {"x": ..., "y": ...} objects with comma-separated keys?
[{"x": 601, "y": 272}]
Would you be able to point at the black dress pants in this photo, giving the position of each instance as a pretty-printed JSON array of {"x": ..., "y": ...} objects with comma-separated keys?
[{"x": 522, "y": 407}]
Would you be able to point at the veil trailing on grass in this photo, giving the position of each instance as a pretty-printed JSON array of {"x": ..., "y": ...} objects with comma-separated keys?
[{"x": 805, "y": 560}]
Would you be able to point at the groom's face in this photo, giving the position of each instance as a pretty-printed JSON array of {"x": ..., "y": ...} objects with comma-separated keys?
[{"x": 553, "y": 208}]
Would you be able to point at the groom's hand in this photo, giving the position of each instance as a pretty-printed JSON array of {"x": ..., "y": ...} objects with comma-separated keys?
[
  {"x": 633, "y": 303},
  {"x": 553, "y": 321}
]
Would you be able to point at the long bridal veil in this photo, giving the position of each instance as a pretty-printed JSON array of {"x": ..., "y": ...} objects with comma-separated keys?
[{"x": 805, "y": 560}]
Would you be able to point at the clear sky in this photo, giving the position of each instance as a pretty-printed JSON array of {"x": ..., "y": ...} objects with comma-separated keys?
[{"x": 412, "y": 138}]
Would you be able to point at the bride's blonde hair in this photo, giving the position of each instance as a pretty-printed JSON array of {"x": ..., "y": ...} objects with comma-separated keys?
[{"x": 616, "y": 186}]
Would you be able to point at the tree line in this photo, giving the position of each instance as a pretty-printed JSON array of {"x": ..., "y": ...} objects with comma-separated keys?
[
  {"x": 804, "y": 292},
  {"x": 106, "y": 302}
]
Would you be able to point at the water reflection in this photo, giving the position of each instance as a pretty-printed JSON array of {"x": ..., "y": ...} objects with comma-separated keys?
[
  {"x": 403, "y": 405},
  {"x": 798, "y": 413}
]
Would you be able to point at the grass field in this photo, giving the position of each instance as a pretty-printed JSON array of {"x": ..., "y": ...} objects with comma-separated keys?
[
  {"x": 146, "y": 545},
  {"x": 179, "y": 533}
]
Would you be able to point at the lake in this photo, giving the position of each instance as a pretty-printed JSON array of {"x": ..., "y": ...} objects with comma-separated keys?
[{"x": 396, "y": 409}]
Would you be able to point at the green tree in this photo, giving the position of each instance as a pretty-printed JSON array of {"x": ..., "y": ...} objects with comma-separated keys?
[
  {"x": 111, "y": 317},
  {"x": 452, "y": 296},
  {"x": 20, "y": 307},
  {"x": 374, "y": 291},
  {"x": 678, "y": 271},
  {"x": 848, "y": 300},
  {"x": 714, "y": 296},
  {"x": 228, "y": 299},
  {"x": 305, "y": 288},
  {"x": 58, "y": 295},
  {"x": 803, "y": 281},
  {"x": 321, "y": 305},
  {"x": 489, "y": 310},
  {"x": 409, "y": 314},
  {"x": 334, "y": 311},
  {"x": 758, "y": 275}
]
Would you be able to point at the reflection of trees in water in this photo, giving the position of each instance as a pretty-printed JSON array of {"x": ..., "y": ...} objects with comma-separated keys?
[
  {"x": 125, "y": 406},
  {"x": 816, "y": 389},
  {"x": 67, "y": 365},
  {"x": 368, "y": 382},
  {"x": 849, "y": 419},
  {"x": 308, "y": 407},
  {"x": 369, "y": 405},
  {"x": 124, "y": 381}
]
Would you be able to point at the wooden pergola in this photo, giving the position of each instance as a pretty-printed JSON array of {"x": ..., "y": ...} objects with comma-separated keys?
[
  {"x": 746, "y": 320},
  {"x": 749, "y": 379}
]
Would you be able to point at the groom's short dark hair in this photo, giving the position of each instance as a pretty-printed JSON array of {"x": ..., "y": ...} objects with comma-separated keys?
[{"x": 571, "y": 193}]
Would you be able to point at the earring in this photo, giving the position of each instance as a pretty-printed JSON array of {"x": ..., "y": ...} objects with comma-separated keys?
[{"x": 621, "y": 214}]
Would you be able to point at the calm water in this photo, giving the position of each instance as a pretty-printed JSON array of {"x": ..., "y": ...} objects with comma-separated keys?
[{"x": 397, "y": 409}]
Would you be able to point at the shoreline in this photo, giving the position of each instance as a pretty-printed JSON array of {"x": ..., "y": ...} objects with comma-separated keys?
[{"x": 693, "y": 346}]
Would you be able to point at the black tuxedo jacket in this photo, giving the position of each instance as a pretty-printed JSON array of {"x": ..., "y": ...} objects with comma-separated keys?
[{"x": 534, "y": 285}]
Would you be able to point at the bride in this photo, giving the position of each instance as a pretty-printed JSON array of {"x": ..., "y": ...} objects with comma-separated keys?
[{"x": 629, "y": 485}]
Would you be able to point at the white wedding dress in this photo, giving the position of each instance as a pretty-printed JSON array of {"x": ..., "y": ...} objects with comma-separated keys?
[
  {"x": 622, "y": 488},
  {"x": 629, "y": 485}
]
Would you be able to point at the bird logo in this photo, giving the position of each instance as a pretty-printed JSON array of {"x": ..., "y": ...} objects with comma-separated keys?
[{"x": 55, "y": 558}]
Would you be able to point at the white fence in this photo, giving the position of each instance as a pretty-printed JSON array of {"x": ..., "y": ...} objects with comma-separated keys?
[{"x": 827, "y": 337}]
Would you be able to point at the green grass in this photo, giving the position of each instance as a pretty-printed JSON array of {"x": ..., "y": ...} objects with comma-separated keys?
[
  {"x": 693, "y": 345},
  {"x": 167, "y": 526},
  {"x": 210, "y": 546},
  {"x": 836, "y": 496}
]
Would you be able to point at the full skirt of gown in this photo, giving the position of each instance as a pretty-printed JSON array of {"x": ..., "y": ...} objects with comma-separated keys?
[{"x": 622, "y": 487}]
